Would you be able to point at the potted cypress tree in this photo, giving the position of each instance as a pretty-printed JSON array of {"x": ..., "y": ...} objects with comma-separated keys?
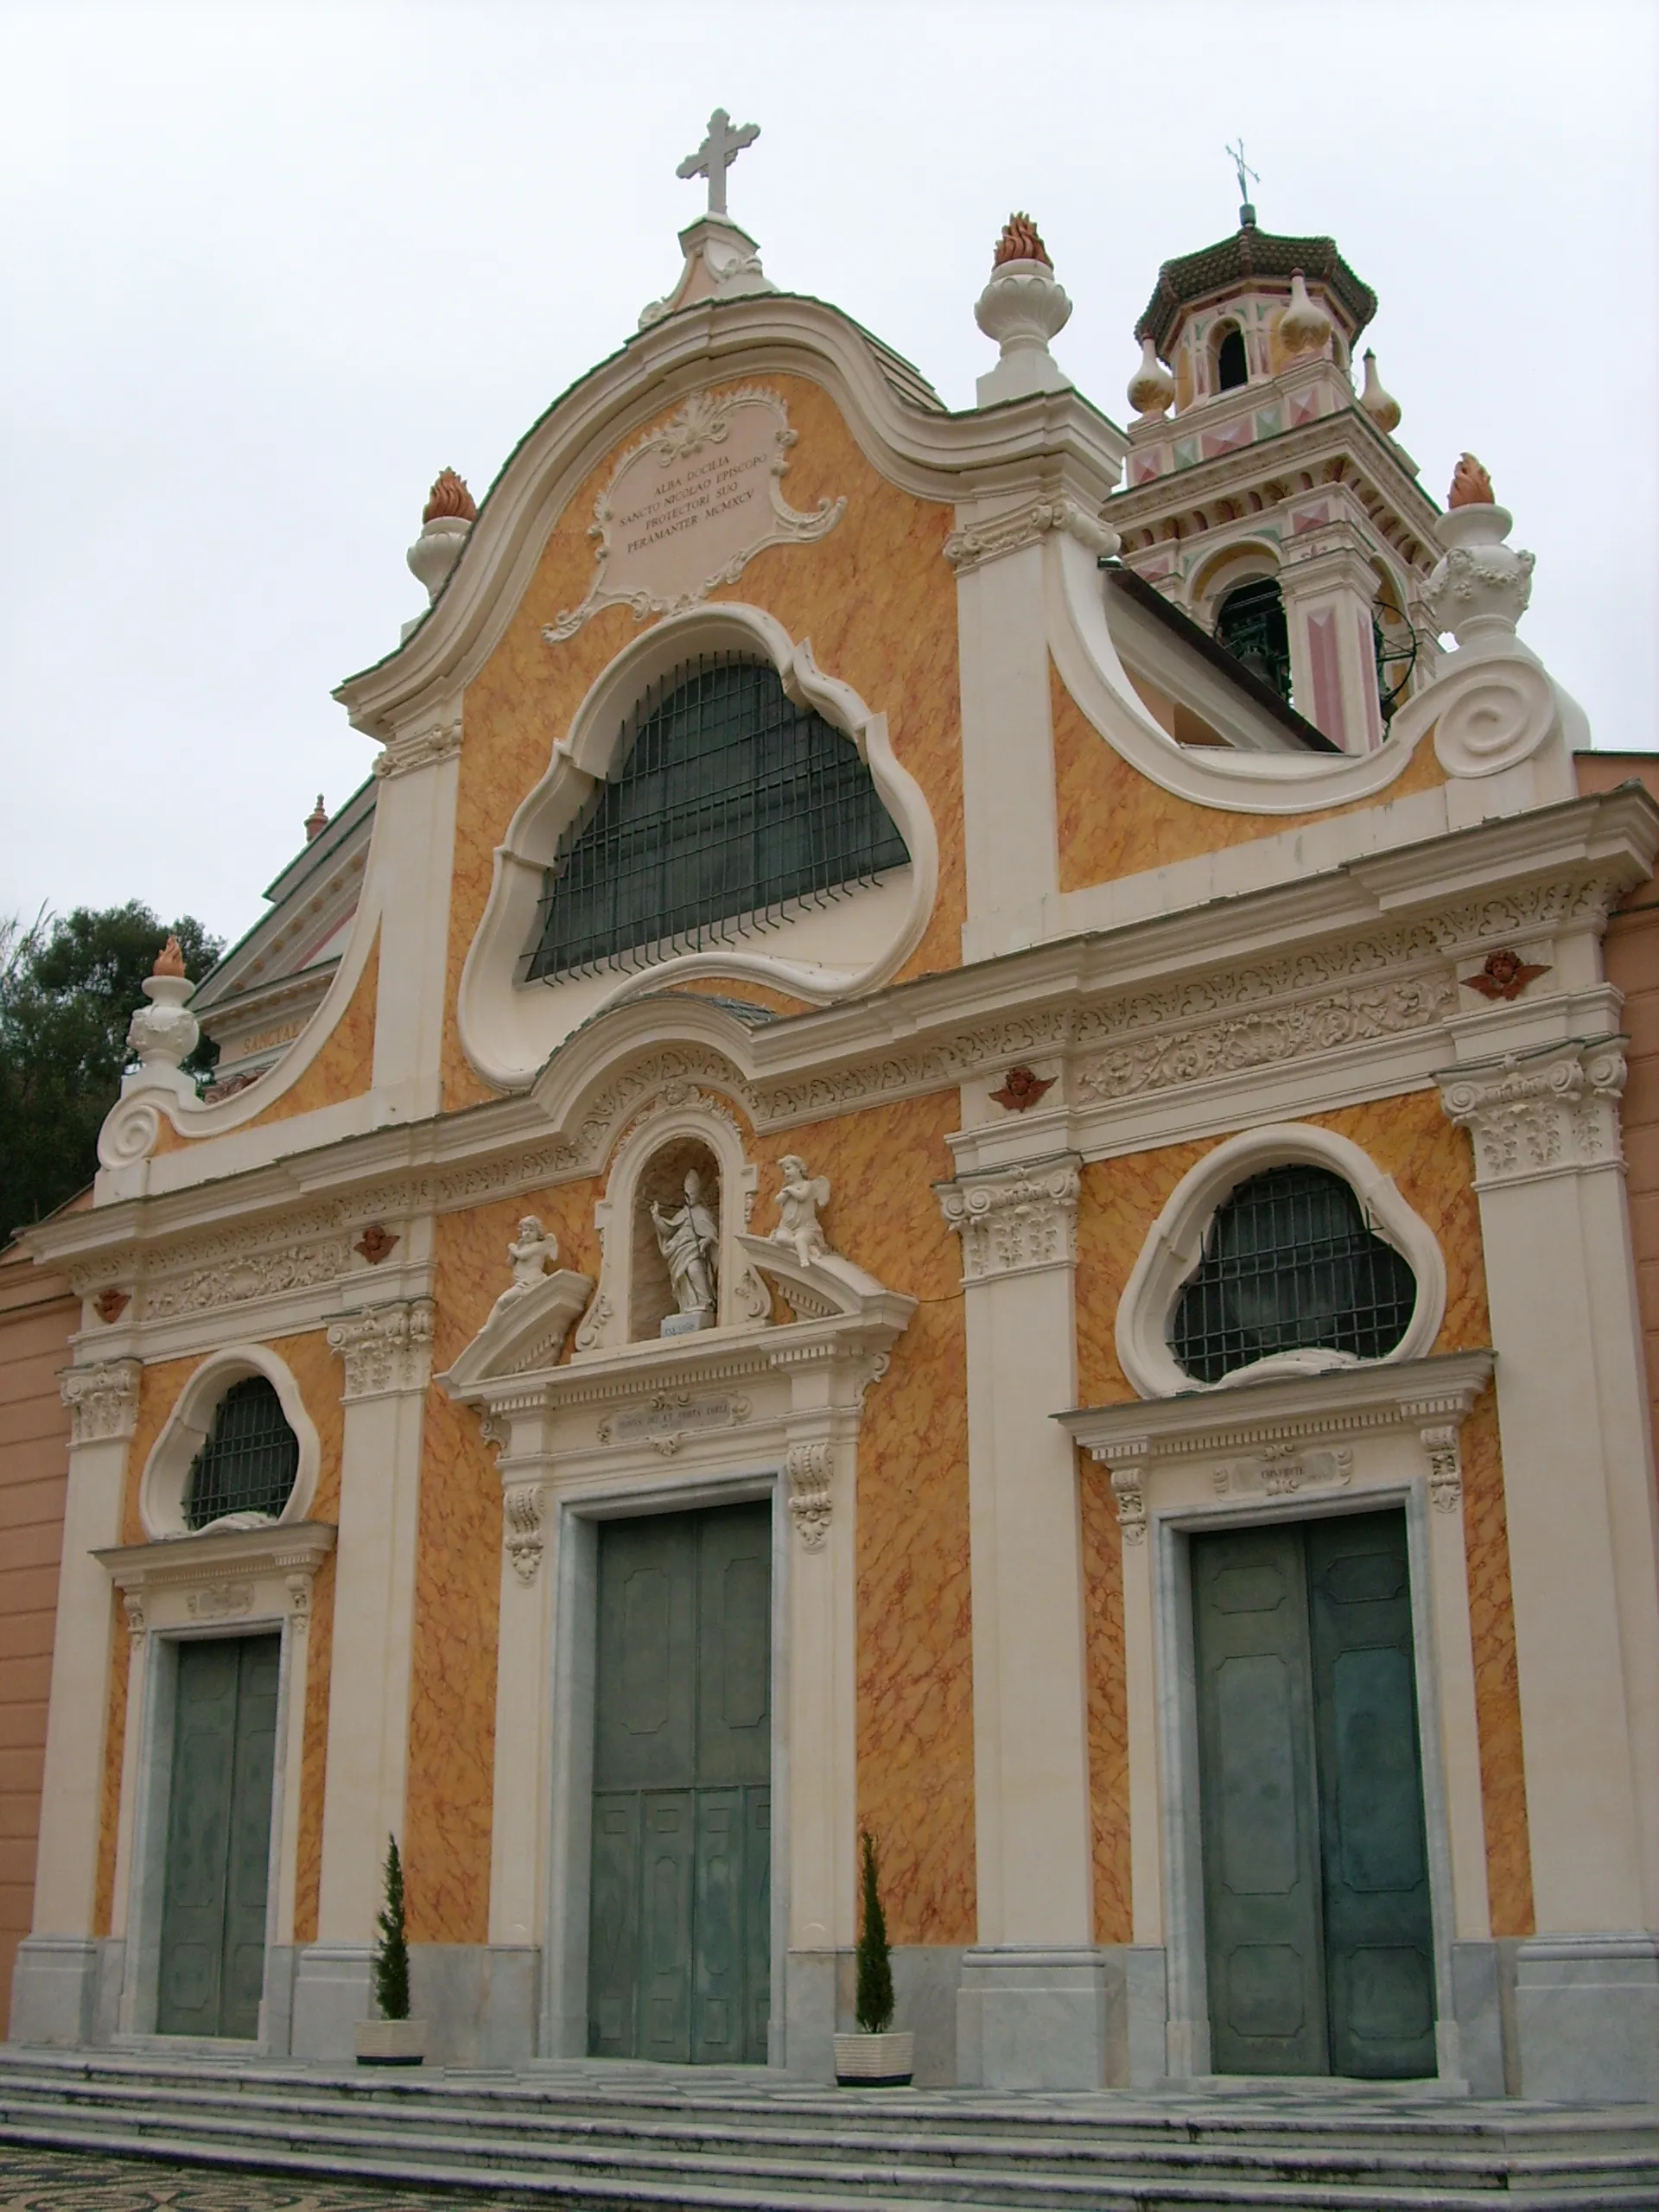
[
  {"x": 393, "y": 2039},
  {"x": 879, "y": 2056}
]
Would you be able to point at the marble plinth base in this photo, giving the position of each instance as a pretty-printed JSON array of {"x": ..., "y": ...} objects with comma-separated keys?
[
  {"x": 333, "y": 1991},
  {"x": 54, "y": 1991},
  {"x": 1586, "y": 2017},
  {"x": 1029, "y": 2019}
]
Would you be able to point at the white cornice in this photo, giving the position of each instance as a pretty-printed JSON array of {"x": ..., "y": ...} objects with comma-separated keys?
[
  {"x": 1055, "y": 436},
  {"x": 1377, "y": 922}
]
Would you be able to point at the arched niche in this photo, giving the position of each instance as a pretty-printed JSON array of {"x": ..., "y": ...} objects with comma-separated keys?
[
  {"x": 163, "y": 1487},
  {"x": 664, "y": 1189}
]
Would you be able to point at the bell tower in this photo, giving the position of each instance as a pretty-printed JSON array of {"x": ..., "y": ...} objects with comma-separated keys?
[{"x": 1266, "y": 497}]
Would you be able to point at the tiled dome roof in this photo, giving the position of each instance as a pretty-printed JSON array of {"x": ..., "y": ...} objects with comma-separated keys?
[{"x": 1250, "y": 252}]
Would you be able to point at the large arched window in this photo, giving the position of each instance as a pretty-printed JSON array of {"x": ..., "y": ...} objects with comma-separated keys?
[
  {"x": 249, "y": 1460},
  {"x": 730, "y": 804},
  {"x": 1290, "y": 1263},
  {"x": 1251, "y": 623}
]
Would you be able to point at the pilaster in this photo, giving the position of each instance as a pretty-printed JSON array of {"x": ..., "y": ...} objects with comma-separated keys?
[
  {"x": 386, "y": 1353},
  {"x": 1579, "y": 1498},
  {"x": 1031, "y": 2011},
  {"x": 1328, "y": 586},
  {"x": 54, "y": 1986}
]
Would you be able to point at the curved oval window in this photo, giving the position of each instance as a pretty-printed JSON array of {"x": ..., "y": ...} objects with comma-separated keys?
[
  {"x": 249, "y": 1461},
  {"x": 1290, "y": 1263},
  {"x": 730, "y": 805}
]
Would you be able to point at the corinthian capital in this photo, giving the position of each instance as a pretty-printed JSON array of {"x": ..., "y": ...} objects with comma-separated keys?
[
  {"x": 1015, "y": 1221},
  {"x": 386, "y": 1349},
  {"x": 103, "y": 1399},
  {"x": 1554, "y": 1112}
]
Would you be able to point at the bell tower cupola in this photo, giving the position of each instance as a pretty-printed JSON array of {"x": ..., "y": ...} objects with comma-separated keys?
[{"x": 1267, "y": 498}]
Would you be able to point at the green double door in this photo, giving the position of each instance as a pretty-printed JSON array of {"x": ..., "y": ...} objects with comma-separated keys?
[
  {"x": 1320, "y": 1948},
  {"x": 212, "y": 1965},
  {"x": 679, "y": 1941}
]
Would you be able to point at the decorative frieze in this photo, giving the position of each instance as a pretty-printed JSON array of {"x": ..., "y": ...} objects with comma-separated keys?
[
  {"x": 521, "y": 1529},
  {"x": 386, "y": 1349},
  {"x": 811, "y": 1469},
  {"x": 1017, "y": 1222},
  {"x": 103, "y": 1400},
  {"x": 1554, "y": 1112}
]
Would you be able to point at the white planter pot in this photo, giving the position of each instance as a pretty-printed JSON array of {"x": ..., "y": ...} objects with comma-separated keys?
[
  {"x": 391, "y": 2043},
  {"x": 884, "y": 2062}
]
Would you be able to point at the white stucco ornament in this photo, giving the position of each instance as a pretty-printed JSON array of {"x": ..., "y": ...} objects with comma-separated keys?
[
  {"x": 1022, "y": 308},
  {"x": 532, "y": 1251},
  {"x": 799, "y": 1201},
  {"x": 1480, "y": 587},
  {"x": 447, "y": 523},
  {"x": 164, "y": 1032}
]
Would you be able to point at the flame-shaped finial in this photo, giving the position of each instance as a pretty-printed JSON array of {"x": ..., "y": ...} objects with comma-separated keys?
[
  {"x": 169, "y": 960},
  {"x": 1471, "y": 485},
  {"x": 1020, "y": 242},
  {"x": 449, "y": 496}
]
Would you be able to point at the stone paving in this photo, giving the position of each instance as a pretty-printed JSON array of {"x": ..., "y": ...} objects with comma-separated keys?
[{"x": 73, "y": 2180}]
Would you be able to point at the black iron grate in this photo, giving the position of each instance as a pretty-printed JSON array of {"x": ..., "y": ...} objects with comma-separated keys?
[
  {"x": 1289, "y": 1262},
  {"x": 249, "y": 1459},
  {"x": 731, "y": 805},
  {"x": 1250, "y": 622}
]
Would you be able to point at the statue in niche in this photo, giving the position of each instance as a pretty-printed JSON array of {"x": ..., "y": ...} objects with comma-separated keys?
[
  {"x": 689, "y": 1239},
  {"x": 798, "y": 1201},
  {"x": 530, "y": 1252}
]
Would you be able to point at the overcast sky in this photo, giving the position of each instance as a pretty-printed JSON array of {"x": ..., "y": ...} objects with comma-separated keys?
[{"x": 266, "y": 269}]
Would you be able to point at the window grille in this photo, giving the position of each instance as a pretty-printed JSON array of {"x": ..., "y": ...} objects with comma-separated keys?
[
  {"x": 731, "y": 803},
  {"x": 249, "y": 1459},
  {"x": 1251, "y": 623},
  {"x": 1290, "y": 1261}
]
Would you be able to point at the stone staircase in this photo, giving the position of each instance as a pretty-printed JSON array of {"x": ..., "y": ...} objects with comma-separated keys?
[{"x": 605, "y": 2138}]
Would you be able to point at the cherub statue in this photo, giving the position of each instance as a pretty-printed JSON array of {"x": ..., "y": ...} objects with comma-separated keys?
[
  {"x": 532, "y": 1251},
  {"x": 689, "y": 1239},
  {"x": 798, "y": 1201}
]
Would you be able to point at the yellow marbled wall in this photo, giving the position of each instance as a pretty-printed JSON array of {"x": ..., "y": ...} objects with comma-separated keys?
[
  {"x": 1430, "y": 1161},
  {"x": 110, "y": 1797},
  {"x": 317, "y": 1372},
  {"x": 876, "y": 597},
  {"x": 344, "y": 1068},
  {"x": 915, "y": 1729},
  {"x": 458, "y": 1575},
  {"x": 1114, "y": 821}
]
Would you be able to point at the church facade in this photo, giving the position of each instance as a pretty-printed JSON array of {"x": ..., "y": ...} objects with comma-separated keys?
[{"x": 938, "y": 1154}]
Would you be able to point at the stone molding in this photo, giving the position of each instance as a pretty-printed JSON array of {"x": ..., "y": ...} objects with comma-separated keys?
[
  {"x": 1538, "y": 1114},
  {"x": 1020, "y": 1221},
  {"x": 214, "y": 1567},
  {"x": 522, "y": 1534},
  {"x": 385, "y": 1351},
  {"x": 1294, "y": 1431},
  {"x": 103, "y": 1400},
  {"x": 422, "y": 747},
  {"x": 973, "y": 546},
  {"x": 811, "y": 1469}
]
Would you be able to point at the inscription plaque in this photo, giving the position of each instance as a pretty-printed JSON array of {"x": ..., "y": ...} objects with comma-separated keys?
[{"x": 690, "y": 504}]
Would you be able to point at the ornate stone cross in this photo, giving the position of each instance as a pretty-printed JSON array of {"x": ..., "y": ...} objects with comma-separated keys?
[{"x": 717, "y": 154}]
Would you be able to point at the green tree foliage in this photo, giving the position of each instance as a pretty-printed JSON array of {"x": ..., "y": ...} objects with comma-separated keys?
[
  {"x": 875, "y": 2008},
  {"x": 69, "y": 985},
  {"x": 391, "y": 1952}
]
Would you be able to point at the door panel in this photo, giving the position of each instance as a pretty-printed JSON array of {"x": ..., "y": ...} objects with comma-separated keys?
[
  {"x": 1316, "y": 1881},
  {"x": 1379, "y": 1936},
  {"x": 212, "y": 1949},
  {"x": 680, "y": 1918},
  {"x": 1258, "y": 1804}
]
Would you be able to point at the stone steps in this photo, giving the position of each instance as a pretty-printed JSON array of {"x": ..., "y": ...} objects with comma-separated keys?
[{"x": 614, "y": 2137}]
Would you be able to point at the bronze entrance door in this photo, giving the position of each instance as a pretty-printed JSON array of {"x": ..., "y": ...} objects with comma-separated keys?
[
  {"x": 679, "y": 1937},
  {"x": 213, "y": 1963},
  {"x": 1317, "y": 1919}
]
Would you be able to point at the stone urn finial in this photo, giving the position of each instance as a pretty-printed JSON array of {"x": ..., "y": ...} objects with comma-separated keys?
[
  {"x": 316, "y": 822},
  {"x": 1152, "y": 388},
  {"x": 1480, "y": 587},
  {"x": 446, "y": 523},
  {"x": 1021, "y": 307},
  {"x": 164, "y": 1032}
]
